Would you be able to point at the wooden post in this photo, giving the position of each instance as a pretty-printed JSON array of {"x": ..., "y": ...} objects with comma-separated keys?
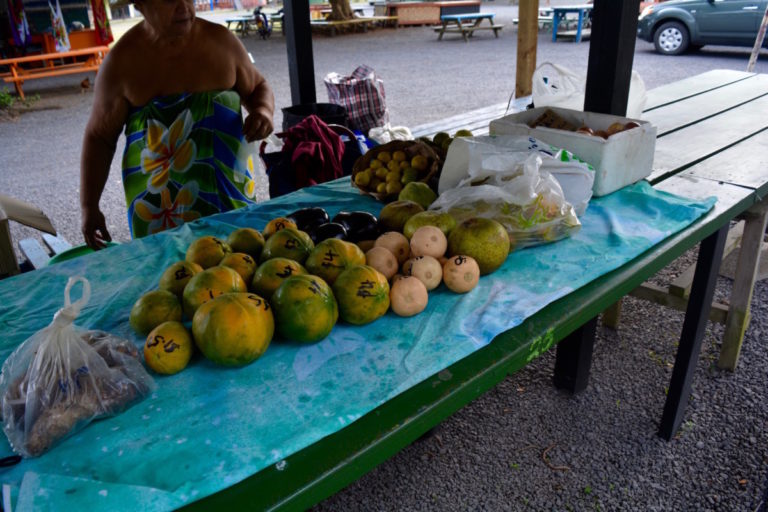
[
  {"x": 758, "y": 42},
  {"x": 527, "y": 39},
  {"x": 743, "y": 285},
  {"x": 611, "y": 50},
  {"x": 612, "y": 315},
  {"x": 8, "y": 264},
  {"x": 301, "y": 64}
]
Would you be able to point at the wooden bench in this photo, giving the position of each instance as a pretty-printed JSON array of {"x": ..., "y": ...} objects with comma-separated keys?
[
  {"x": 466, "y": 24},
  {"x": 332, "y": 27},
  {"x": 51, "y": 66}
]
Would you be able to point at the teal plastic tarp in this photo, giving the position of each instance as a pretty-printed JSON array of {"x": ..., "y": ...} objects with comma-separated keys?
[{"x": 210, "y": 427}]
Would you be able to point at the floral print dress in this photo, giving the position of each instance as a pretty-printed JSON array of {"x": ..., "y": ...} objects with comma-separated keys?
[{"x": 185, "y": 158}]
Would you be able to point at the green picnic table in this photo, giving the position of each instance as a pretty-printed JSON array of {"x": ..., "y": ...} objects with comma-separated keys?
[
  {"x": 303, "y": 417},
  {"x": 467, "y": 24}
]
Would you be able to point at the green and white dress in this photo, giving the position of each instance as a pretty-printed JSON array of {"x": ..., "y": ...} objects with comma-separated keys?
[{"x": 185, "y": 158}]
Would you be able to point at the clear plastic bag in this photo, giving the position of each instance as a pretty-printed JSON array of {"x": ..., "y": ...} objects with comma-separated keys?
[
  {"x": 557, "y": 86},
  {"x": 63, "y": 377},
  {"x": 513, "y": 190}
]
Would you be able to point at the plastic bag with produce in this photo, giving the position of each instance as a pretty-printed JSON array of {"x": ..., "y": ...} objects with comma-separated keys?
[
  {"x": 63, "y": 377},
  {"x": 512, "y": 189}
]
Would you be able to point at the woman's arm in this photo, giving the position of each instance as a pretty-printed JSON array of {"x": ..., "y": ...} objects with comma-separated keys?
[
  {"x": 255, "y": 93},
  {"x": 109, "y": 113}
]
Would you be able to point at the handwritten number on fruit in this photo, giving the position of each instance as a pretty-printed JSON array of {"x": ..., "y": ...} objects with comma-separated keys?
[
  {"x": 329, "y": 260},
  {"x": 290, "y": 243},
  {"x": 364, "y": 289},
  {"x": 182, "y": 273},
  {"x": 168, "y": 345},
  {"x": 287, "y": 271},
  {"x": 459, "y": 260},
  {"x": 315, "y": 287}
]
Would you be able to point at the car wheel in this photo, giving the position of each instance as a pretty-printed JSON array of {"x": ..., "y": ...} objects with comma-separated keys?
[{"x": 671, "y": 38}]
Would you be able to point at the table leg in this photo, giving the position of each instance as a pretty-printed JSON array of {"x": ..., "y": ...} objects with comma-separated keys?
[
  {"x": 17, "y": 83},
  {"x": 696, "y": 316},
  {"x": 578, "y": 26},
  {"x": 555, "y": 23},
  {"x": 743, "y": 285},
  {"x": 574, "y": 358},
  {"x": 463, "y": 32},
  {"x": 440, "y": 35}
]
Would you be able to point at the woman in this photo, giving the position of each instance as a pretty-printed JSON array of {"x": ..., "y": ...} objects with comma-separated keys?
[{"x": 176, "y": 84}]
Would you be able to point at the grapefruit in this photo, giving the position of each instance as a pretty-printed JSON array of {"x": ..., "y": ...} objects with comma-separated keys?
[{"x": 484, "y": 240}]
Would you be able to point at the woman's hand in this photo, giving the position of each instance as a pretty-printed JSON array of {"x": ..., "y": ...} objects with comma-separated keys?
[
  {"x": 257, "y": 126},
  {"x": 95, "y": 229}
]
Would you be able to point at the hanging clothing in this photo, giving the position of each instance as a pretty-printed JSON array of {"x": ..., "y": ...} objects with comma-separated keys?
[
  {"x": 185, "y": 158},
  {"x": 59, "y": 28},
  {"x": 19, "y": 24},
  {"x": 101, "y": 22}
]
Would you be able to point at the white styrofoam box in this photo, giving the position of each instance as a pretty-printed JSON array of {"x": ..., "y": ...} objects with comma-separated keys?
[{"x": 620, "y": 160}]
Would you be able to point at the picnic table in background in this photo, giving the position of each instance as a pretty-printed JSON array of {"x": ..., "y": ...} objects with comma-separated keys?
[
  {"x": 53, "y": 64},
  {"x": 242, "y": 23},
  {"x": 560, "y": 15},
  {"x": 466, "y": 24}
]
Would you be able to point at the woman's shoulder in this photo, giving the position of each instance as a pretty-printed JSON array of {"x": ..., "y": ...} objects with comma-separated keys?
[{"x": 214, "y": 32}]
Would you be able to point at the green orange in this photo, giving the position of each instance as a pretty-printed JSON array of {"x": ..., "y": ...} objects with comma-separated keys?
[
  {"x": 278, "y": 224},
  {"x": 209, "y": 284},
  {"x": 247, "y": 240},
  {"x": 288, "y": 243},
  {"x": 305, "y": 309},
  {"x": 362, "y": 293},
  {"x": 331, "y": 257},
  {"x": 176, "y": 277},
  {"x": 233, "y": 329},
  {"x": 168, "y": 348},
  {"x": 271, "y": 274},
  {"x": 152, "y": 309},
  {"x": 242, "y": 263},
  {"x": 207, "y": 251}
]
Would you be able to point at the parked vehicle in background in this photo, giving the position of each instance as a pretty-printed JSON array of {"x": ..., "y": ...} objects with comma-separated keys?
[{"x": 679, "y": 25}]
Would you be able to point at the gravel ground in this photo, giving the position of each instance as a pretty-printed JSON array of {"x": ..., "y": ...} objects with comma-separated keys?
[{"x": 522, "y": 445}]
